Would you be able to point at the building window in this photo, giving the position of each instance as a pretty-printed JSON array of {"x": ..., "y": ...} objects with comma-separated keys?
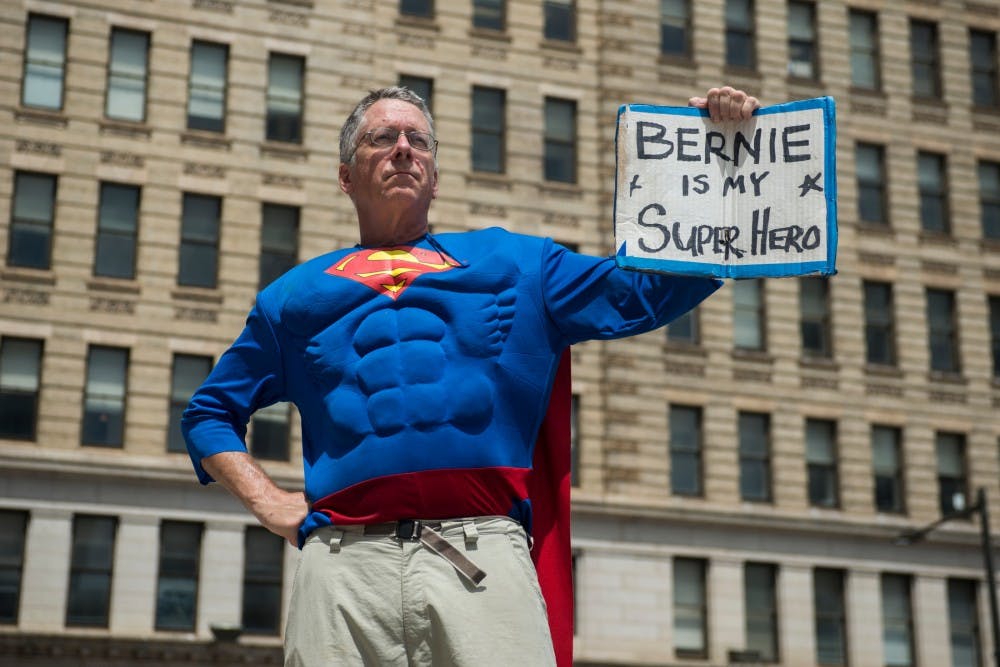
[
  {"x": 887, "y": 467},
  {"x": 263, "y": 568},
  {"x": 31, "y": 220},
  {"x": 20, "y": 384},
  {"x": 995, "y": 334},
  {"x": 685, "y": 450},
  {"x": 685, "y": 329},
  {"x": 748, "y": 314},
  {"x": 897, "y": 621},
  {"x": 13, "y": 527},
  {"x": 942, "y": 331},
  {"x": 989, "y": 199},
  {"x": 90, "y": 571},
  {"x": 741, "y": 47},
  {"x": 128, "y": 70},
  {"x": 44, "y": 62},
  {"x": 932, "y": 182},
  {"x": 871, "y": 181},
  {"x": 207, "y": 86},
  {"x": 755, "y": 456},
  {"x": 803, "y": 46},
  {"x": 953, "y": 491},
  {"x": 187, "y": 374},
  {"x": 199, "y": 251},
  {"x": 690, "y": 608},
  {"x": 963, "y": 621},
  {"x": 423, "y": 8},
  {"x": 279, "y": 242},
  {"x": 560, "y": 140},
  {"x": 177, "y": 580},
  {"x": 761, "y": 605},
  {"x": 560, "y": 20},
  {"x": 284, "y": 98},
  {"x": 117, "y": 229},
  {"x": 104, "y": 396},
  {"x": 814, "y": 317},
  {"x": 421, "y": 85},
  {"x": 865, "y": 54},
  {"x": 880, "y": 328},
  {"x": 489, "y": 14},
  {"x": 830, "y": 613},
  {"x": 675, "y": 28},
  {"x": 488, "y": 113},
  {"x": 821, "y": 462},
  {"x": 983, "y": 59},
  {"x": 574, "y": 440},
  {"x": 925, "y": 59},
  {"x": 271, "y": 432}
]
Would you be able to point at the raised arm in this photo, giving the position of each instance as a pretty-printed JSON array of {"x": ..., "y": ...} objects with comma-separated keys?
[{"x": 726, "y": 103}]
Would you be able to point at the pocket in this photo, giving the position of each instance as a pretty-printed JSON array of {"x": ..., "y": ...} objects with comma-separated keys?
[{"x": 519, "y": 551}]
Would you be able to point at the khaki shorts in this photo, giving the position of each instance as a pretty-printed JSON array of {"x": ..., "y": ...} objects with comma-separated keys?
[{"x": 378, "y": 600}]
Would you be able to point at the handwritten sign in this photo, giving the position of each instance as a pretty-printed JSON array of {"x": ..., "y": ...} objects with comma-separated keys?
[{"x": 748, "y": 199}]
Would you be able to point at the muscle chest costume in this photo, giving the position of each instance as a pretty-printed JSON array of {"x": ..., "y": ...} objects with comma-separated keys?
[{"x": 422, "y": 372}]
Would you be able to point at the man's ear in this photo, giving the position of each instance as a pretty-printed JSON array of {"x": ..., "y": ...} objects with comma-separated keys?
[
  {"x": 434, "y": 187},
  {"x": 344, "y": 176}
]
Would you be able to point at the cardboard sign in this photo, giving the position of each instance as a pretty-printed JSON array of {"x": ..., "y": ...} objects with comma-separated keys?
[{"x": 747, "y": 199}]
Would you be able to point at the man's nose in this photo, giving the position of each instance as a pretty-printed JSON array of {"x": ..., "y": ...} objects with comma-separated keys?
[{"x": 402, "y": 147}]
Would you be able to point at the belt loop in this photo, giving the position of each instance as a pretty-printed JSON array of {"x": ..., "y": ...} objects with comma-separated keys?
[
  {"x": 335, "y": 540},
  {"x": 471, "y": 533}
]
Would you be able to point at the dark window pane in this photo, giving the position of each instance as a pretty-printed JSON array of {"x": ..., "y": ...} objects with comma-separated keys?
[
  {"x": 489, "y": 14},
  {"x": 91, "y": 566},
  {"x": 865, "y": 58},
  {"x": 127, "y": 73},
  {"x": 560, "y": 20},
  {"x": 271, "y": 432},
  {"x": 207, "y": 86},
  {"x": 284, "y": 98},
  {"x": 13, "y": 527},
  {"x": 104, "y": 397},
  {"x": 188, "y": 372},
  {"x": 879, "y": 324},
  {"x": 117, "y": 224},
  {"x": 989, "y": 198},
  {"x": 31, "y": 220},
  {"x": 417, "y": 7},
  {"x": 831, "y": 621},
  {"x": 279, "y": 241},
  {"x": 20, "y": 382},
  {"x": 924, "y": 59},
  {"x": 488, "y": 111},
  {"x": 262, "y": 581},
  {"x": 741, "y": 50},
  {"x": 560, "y": 140},
  {"x": 420, "y": 85},
  {"x": 199, "y": 249},
  {"x": 177, "y": 582}
]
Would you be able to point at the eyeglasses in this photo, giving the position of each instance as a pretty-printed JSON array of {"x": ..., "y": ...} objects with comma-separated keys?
[{"x": 382, "y": 137}]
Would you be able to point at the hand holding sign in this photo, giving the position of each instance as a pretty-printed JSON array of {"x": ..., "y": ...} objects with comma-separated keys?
[{"x": 751, "y": 196}]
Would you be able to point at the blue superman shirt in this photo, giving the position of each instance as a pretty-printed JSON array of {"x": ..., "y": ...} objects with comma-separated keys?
[{"x": 422, "y": 372}]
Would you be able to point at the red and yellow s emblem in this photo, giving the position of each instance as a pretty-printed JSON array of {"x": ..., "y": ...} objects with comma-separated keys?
[{"x": 390, "y": 271}]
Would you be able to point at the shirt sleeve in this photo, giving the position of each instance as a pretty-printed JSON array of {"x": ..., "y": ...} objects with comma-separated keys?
[
  {"x": 592, "y": 298},
  {"x": 248, "y": 377}
]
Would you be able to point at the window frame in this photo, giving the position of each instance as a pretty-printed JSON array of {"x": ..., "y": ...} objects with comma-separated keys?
[
  {"x": 111, "y": 74},
  {"x": 752, "y": 314},
  {"x": 260, "y": 419},
  {"x": 111, "y": 442},
  {"x": 692, "y": 610},
  {"x": 989, "y": 199},
  {"x": 412, "y": 82},
  {"x": 417, "y": 8},
  {"x": 204, "y": 123},
  {"x": 27, "y": 60},
  {"x": 18, "y": 223},
  {"x": 869, "y": 52},
  {"x": 934, "y": 193},
  {"x": 955, "y": 481},
  {"x": 904, "y": 623},
  {"x": 993, "y": 304},
  {"x": 253, "y": 578},
  {"x": 747, "y": 33},
  {"x": 686, "y": 446},
  {"x": 880, "y": 318},
  {"x": 877, "y": 182},
  {"x": 817, "y": 315},
  {"x": 554, "y": 139},
  {"x": 105, "y": 232},
  {"x": 494, "y": 6},
  {"x": 179, "y": 398},
  {"x": 971, "y": 629},
  {"x": 15, "y": 562},
  {"x": 822, "y": 470},
  {"x": 928, "y": 58},
  {"x": 478, "y": 130},
  {"x": 104, "y": 570},
  {"x": 897, "y": 477},
  {"x": 768, "y": 613},
  {"x": 942, "y": 329},
  {"x": 36, "y": 394},
  {"x": 989, "y": 70},
  {"x": 550, "y": 13},
  {"x": 683, "y": 23},
  {"x": 192, "y": 240},
  {"x": 809, "y": 42},
  {"x": 274, "y": 214},
  {"x": 834, "y": 615},
  {"x": 165, "y": 526},
  {"x": 272, "y": 101},
  {"x": 761, "y": 459}
]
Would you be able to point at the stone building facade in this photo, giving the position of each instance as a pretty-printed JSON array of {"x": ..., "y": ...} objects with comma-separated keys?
[{"x": 739, "y": 479}]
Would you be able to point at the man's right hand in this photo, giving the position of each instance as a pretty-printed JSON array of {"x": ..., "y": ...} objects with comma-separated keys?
[{"x": 283, "y": 513}]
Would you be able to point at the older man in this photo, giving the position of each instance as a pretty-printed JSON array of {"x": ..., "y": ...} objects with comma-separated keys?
[{"x": 421, "y": 366}]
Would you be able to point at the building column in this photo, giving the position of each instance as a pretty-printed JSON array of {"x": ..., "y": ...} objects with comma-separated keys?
[
  {"x": 220, "y": 580},
  {"x": 133, "y": 591},
  {"x": 932, "y": 636},
  {"x": 864, "y": 619},
  {"x": 797, "y": 626},
  {"x": 726, "y": 615},
  {"x": 45, "y": 583}
]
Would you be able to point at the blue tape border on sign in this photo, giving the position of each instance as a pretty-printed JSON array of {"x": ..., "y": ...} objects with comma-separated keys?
[{"x": 828, "y": 267}]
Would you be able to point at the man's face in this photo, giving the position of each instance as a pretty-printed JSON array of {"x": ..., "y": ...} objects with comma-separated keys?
[{"x": 390, "y": 176}]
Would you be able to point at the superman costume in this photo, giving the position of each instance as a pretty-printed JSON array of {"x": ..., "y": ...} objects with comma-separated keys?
[{"x": 422, "y": 372}]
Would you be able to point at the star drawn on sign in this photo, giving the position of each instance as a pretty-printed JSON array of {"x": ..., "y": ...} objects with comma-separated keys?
[{"x": 810, "y": 183}]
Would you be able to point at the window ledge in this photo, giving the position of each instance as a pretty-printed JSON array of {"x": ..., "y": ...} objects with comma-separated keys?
[
  {"x": 491, "y": 34},
  {"x": 990, "y": 245},
  {"x": 25, "y": 275},
  {"x": 810, "y": 85},
  {"x": 752, "y": 356},
  {"x": 201, "y": 294},
  {"x": 307, "y": 4},
  {"x": 42, "y": 116},
  {"x": 953, "y": 378},
  {"x": 819, "y": 364},
  {"x": 487, "y": 179},
  {"x": 206, "y": 139},
  {"x": 118, "y": 285},
  {"x": 564, "y": 45},
  {"x": 125, "y": 128},
  {"x": 938, "y": 238},
  {"x": 929, "y": 110},
  {"x": 684, "y": 348},
  {"x": 287, "y": 151},
  {"x": 883, "y": 370},
  {"x": 876, "y": 229},
  {"x": 560, "y": 189},
  {"x": 986, "y": 119},
  {"x": 420, "y": 22}
]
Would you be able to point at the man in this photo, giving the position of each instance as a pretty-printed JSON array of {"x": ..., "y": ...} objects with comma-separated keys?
[{"x": 421, "y": 366}]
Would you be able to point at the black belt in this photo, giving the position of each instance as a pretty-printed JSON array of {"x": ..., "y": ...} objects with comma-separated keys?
[{"x": 426, "y": 533}]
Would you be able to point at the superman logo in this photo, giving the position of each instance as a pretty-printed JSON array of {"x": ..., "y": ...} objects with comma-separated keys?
[{"x": 390, "y": 271}]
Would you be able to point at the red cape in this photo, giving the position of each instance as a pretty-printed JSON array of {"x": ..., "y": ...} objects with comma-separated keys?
[{"x": 548, "y": 488}]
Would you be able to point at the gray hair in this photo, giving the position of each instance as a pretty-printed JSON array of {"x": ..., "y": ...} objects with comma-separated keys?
[{"x": 352, "y": 126}]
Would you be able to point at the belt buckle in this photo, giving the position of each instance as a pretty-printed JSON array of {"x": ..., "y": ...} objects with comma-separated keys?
[{"x": 408, "y": 529}]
